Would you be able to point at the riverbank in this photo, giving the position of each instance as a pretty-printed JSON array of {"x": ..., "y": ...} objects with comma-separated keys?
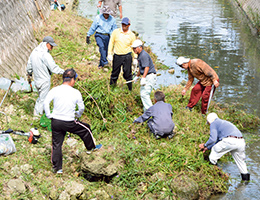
[{"x": 146, "y": 168}]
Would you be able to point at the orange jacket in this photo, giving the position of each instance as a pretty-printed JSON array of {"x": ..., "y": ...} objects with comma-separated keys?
[{"x": 202, "y": 71}]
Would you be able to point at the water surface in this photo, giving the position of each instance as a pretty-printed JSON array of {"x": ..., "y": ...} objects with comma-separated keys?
[{"x": 213, "y": 31}]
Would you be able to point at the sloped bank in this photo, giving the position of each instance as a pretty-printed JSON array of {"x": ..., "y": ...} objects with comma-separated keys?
[
  {"x": 142, "y": 167},
  {"x": 251, "y": 11}
]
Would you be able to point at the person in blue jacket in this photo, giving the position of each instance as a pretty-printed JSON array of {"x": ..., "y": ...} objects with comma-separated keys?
[
  {"x": 104, "y": 24},
  {"x": 160, "y": 117},
  {"x": 225, "y": 137}
]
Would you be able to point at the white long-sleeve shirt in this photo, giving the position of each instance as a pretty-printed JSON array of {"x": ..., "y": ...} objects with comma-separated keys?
[
  {"x": 42, "y": 65},
  {"x": 65, "y": 98}
]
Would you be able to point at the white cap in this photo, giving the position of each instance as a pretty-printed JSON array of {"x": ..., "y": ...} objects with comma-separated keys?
[
  {"x": 182, "y": 60},
  {"x": 137, "y": 43},
  {"x": 211, "y": 117}
]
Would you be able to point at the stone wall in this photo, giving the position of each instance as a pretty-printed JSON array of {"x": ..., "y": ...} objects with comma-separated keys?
[
  {"x": 251, "y": 9},
  {"x": 18, "y": 20}
]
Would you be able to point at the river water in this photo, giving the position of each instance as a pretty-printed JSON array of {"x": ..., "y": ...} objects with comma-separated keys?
[{"x": 212, "y": 30}]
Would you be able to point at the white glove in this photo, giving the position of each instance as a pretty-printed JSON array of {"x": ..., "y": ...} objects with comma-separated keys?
[
  {"x": 143, "y": 81},
  {"x": 110, "y": 58},
  {"x": 135, "y": 62},
  {"x": 135, "y": 79}
]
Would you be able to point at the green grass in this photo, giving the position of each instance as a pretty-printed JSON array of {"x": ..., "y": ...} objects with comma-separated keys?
[{"x": 141, "y": 158}]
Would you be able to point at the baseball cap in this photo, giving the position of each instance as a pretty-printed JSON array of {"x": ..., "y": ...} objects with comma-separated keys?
[
  {"x": 182, "y": 60},
  {"x": 137, "y": 43},
  {"x": 49, "y": 40},
  {"x": 125, "y": 21}
]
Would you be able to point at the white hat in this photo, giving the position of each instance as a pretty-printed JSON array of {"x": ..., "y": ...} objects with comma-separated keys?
[
  {"x": 182, "y": 60},
  {"x": 211, "y": 117},
  {"x": 137, "y": 43}
]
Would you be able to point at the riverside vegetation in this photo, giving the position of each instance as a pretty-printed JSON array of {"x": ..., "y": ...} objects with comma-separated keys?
[{"x": 149, "y": 168}]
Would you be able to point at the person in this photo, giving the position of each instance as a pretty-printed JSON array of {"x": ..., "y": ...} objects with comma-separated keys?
[
  {"x": 120, "y": 44},
  {"x": 65, "y": 99},
  {"x": 207, "y": 77},
  {"x": 112, "y": 4},
  {"x": 104, "y": 24},
  {"x": 147, "y": 71},
  {"x": 225, "y": 137},
  {"x": 42, "y": 65},
  {"x": 160, "y": 117}
]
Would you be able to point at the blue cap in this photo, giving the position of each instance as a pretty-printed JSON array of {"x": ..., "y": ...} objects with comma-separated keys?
[{"x": 125, "y": 21}]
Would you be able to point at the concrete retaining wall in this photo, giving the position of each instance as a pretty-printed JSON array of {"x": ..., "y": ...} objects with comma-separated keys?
[
  {"x": 18, "y": 19},
  {"x": 251, "y": 9}
]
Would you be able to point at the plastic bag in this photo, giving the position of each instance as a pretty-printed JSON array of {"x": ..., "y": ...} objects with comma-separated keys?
[
  {"x": 22, "y": 85},
  {"x": 7, "y": 145},
  {"x": 4, "y": 83}
]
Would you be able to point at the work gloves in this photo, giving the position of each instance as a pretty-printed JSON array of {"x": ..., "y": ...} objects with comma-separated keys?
[
  {"x": 135, "y": 62},
  {"x": 87, "y": 40},
  {"x": 135, "y": 79},
  {"x": 110, "y": 58},
  {"x": 143, "y": 81}
]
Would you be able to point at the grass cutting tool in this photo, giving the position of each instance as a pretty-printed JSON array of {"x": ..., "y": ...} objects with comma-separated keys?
[
  {"x": 210, "y": 97},
  {"x": 33, "y": 135}
]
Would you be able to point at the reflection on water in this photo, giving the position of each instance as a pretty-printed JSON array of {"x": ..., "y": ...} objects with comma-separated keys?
[
  {"x": 206, "y": 29},
  {"x": 210, "y": 30}
]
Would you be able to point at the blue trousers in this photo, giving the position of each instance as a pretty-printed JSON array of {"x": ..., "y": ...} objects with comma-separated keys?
[{"x": 102, "y": 42}]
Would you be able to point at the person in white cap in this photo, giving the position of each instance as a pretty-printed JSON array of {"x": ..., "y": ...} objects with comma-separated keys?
[
  {"x": 103, "y": 26},
  {"x": 146, "y": 71},
  {"x": 42, "y": 65},
  {"x": 225, "y": 137},
  {"x": 199, "y": 69}
]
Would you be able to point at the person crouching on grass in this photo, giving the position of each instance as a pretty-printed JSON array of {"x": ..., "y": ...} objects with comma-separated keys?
[
  {"x": 161, "y": 124},
  {"x": 225, "y": 137},
  {"x": 65, "y": 98}
]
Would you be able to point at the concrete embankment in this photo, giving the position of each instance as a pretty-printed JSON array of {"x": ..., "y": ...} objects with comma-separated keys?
[
  {"x": 19, "y": 20},
  {"x": 251, "y": 10}
]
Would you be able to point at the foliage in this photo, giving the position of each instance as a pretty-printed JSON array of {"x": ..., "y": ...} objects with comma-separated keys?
[{"x": 139, "y": 154}]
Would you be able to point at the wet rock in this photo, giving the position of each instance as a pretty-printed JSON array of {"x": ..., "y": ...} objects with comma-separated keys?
[
  {"x": 171, "y": 71},
  {"x": 185, "y": 188},
  {"x": 183, "y": 83},
  {"x": 16, "y": 185}
]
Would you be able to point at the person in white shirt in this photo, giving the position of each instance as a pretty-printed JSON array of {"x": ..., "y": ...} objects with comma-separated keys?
[
  {"x": 65, "y": 99},
  {"x": 42, "y": 65}
]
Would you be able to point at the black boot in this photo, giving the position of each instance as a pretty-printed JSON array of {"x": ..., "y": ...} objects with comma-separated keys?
[{"x": 245, "y": 177}]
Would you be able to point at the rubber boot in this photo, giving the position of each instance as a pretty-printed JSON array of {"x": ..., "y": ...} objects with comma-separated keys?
[{"x": 245, "y": 177}]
